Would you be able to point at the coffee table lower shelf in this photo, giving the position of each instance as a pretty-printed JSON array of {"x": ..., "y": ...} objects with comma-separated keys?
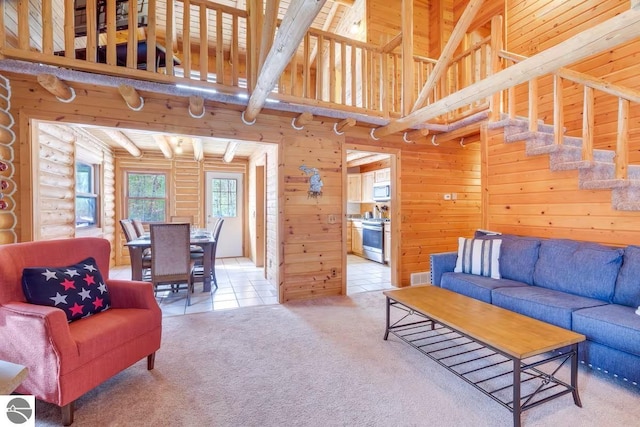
[{"x": 517, "y": 384}]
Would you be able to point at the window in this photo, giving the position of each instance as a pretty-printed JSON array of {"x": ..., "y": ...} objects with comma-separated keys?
[
  {"x": 223, "y": 197},
  {"x": 86, "y": 195},
  {"x": 147, "y": 196}
]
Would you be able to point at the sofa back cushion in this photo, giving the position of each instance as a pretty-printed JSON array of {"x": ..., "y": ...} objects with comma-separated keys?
[
  {"x": 579, "y": 268},
  {"x": 627, "y": 290},
  {"x": 15, "y": 257},
  {"x": 518, "y": 256}
]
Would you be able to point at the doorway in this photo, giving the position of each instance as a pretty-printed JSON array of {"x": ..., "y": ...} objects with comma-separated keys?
[{"x": 224, "y": 198}]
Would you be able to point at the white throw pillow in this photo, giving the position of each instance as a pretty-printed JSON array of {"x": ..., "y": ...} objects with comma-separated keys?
[
  {"x": 479, "y": 256},
  {"x": 638, "y": 311}
]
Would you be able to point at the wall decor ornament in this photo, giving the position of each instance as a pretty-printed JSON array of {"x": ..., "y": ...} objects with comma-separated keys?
[{"x": 315, "y": 182}]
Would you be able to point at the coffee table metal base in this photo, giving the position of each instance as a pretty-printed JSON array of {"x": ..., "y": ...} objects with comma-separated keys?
[{"x": 517, "y": 384}]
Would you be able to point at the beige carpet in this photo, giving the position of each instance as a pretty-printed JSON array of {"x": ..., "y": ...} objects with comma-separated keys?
[{"x": 318, "y": 363}]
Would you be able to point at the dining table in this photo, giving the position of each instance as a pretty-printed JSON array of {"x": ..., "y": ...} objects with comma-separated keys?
[{"x": 138, "y": 246}]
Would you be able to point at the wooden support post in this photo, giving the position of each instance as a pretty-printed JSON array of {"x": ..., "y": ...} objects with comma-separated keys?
[
  {"x": 558, "y": 110},
  {"x": 164, "y": 146},
  {"x": 56, "y": 87},
  {"x": 269, "y": 28},
  {"x": 196, "y": 106},
  {"x": 341, "y": 126},
  {"x": 588, "y": 120},
  {"x": 496, "y": 64},
  {"x": 230, "y": 151},
  {"x": 131, "y": 97},
  {"x": 449, "y": 50},
  {"x": 303, "y": 119},
  {"x": 121, "y": 139},
  {"x": 622, "y": 143},
  {"x": 299, "y": 16},
  {"x": 407, "y": 57}
]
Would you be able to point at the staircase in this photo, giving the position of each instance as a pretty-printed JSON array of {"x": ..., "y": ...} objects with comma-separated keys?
[{"x": 598, "y": 174}]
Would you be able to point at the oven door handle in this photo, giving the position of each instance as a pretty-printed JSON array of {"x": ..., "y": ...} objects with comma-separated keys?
[{"x": 371, "y": 227}]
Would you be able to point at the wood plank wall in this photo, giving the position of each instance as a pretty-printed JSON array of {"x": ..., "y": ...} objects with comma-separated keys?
[
  {"x": 431, "y": 224},
  {"x": 524, "y": 196},
  {"x": 384, "y": 22}
]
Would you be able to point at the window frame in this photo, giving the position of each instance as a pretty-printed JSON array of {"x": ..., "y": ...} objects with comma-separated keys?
[
  {"x": 95, "y": 184},
  {"x": 213, "y": 198},
  {"x": 166, "y": 198}
]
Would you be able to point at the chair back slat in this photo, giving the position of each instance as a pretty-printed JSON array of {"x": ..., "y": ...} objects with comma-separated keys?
[{"x": 128, "y": 229}]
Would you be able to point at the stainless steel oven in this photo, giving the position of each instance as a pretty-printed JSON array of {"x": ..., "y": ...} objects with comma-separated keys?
[{"x": 373, "y": 240}]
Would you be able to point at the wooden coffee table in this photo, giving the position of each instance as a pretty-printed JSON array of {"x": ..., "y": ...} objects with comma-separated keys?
[{"x": 506, "y": 355}]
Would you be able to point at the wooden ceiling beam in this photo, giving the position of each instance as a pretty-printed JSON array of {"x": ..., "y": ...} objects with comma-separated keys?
[
  {"x": 198, "y": 150},
  {"x": 122, "y": 140},
  {"x": 606, "y": 35},
  {"x": 164, "y": 146},
  {"x": 230, "y": 151},
  {"x": 449, "y": 50},
  {"x": 56, "y": 87},
  {"x": 131, "y": 97},
  {"x": 294, "y": 26}
]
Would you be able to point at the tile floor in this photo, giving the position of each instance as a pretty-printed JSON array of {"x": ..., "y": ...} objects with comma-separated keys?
[{"x": 241, "y": 284}]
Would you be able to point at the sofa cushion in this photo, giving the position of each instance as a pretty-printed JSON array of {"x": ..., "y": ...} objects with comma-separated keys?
[
  {"x": 544, "y": 304},
  {"x": 612, "y": 325},
  {"x": 78, "y": 289},
  {"x": 586, "y": 269},
  {"x": 481, "y": 257},
  {"x": 518, "y": 256},
  {"x": 627, "y": 290},
  {"x": 478, "y": 287}
]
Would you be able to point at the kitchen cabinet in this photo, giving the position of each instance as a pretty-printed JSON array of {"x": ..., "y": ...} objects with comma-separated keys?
[
  {"x": 354, "y": 188},
  {"x": 356, "y": 238},
  {"x": 382, "y": 175},
  {"x": 387, "y": 242},
  {"x": 349, "y": 237},
  {"x": 367, "y": 179}
]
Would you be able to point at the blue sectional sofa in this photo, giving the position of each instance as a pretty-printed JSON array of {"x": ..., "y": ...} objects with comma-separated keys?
[{"x": 586, "y": 287}]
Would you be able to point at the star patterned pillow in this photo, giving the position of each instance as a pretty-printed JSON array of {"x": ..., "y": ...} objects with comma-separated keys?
[{"x": 78, "y": 290}]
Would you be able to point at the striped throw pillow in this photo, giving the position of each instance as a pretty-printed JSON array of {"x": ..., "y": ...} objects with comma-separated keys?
[{"x": 479, "y": 256}]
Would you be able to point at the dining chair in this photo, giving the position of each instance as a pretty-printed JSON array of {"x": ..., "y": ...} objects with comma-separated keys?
[
  {"x": 137, "y": 225},
  {"x": 171, "y": 263},
  {"x": 216, "y": 236},
  {"x": 130, "y": 234}
]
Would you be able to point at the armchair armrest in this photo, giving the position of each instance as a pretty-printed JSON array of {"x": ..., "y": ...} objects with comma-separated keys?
[
  {"x": 132, "y": 294},
  {"x": 36, "y": 336},
  {"x": 441, "y": 263}
]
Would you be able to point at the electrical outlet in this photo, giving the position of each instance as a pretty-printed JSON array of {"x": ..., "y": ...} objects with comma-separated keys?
[
  {"x": 334, "y": 272},
  {"x": 454, "y": 196},
  {"x": 447, "y": 196},
  {"x": 331, "y": 219}
]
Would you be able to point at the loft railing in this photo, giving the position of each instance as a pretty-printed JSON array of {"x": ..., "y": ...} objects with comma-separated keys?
[{"x": 205, "y": 44}]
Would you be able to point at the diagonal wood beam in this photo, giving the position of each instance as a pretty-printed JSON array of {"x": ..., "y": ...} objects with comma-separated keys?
[
  {"x": 295, "y": 24},
  {"x": 268, "y": 29},
  {"x": 449, "y": 49},
  {"x": 164, "y": 146},
  {"x": 230, "y": 151},
  {"x": 606, "y": 35},
  {"x": 122, "y": 140}
]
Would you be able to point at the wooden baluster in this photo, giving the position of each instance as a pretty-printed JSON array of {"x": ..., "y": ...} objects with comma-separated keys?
[
  {"x": 306, "y": 77},
  {"x": 319, "y": 68},
  {"x": 204, "y": 45},
  {"x": 354, "y": 76},
  {"x": 496, "y": 65},
  {"x": 386, "y": 100},
  {"x": 151, "y": 37},
  {"x": 587, "y": 124},
  {"x": 558, "y": 110},
  {"x": 3, "y": 36},
  {"x": 186, "y": 39},
  {"x": 219, "y": 49},
  {"x": 132, "y": 36},
  {"x": 169, "y": 36},
  {"x": 234, "y": 51},
  {"x": 332, "y": 70},
  {"x": 23, "y": 25},
  {"x": 294, "y": 75},
  {"x": 111, "y": 33},
  {"x": 533, "y": 105},
  {"x": 512, "y": 102},
  {"x": 92, "y": 32},
  {"x": 622, "y": 143},
  {"x": 343, "y": 71},
  {"x": 47, "y": 28}
]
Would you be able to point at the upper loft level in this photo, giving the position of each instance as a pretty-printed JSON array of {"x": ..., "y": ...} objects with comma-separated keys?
[
  {"x": 345, "y": 60},
  {"x": 394, "y": 66}
]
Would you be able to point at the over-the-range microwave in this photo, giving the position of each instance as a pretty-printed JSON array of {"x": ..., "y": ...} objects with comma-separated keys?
[{"x": 381, "y": 191}]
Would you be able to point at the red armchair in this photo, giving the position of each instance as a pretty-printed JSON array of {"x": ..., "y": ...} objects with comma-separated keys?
[{"x": 65, "y": 360}]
